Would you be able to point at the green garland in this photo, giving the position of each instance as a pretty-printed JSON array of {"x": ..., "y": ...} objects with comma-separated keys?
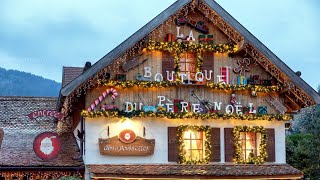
[
  {"x": 207, "y": 144},
  {"x": 186, "y": 115},
  {"x": 165, "y": 84},
  {"x": 192, "y": 47},
  {"x": 238, "y": 154}
]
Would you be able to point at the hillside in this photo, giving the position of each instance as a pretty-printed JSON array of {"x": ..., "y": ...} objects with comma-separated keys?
[{"x": 17, "y": 83}]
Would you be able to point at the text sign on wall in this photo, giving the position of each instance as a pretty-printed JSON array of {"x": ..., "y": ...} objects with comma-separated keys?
[
  {"x": 115, "y": 147},
  {"x": 45, "y": 113}
]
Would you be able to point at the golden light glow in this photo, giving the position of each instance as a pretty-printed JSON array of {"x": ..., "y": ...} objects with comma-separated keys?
[{"x": 193, "y": 143}]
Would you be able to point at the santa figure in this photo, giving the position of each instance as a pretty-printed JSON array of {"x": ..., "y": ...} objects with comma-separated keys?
[
  {"x": 46, "y": 146},
  {"x": 233, "y": 100}
]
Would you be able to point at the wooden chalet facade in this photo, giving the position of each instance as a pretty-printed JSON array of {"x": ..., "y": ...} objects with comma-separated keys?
[{"x": 192, "y": 94}]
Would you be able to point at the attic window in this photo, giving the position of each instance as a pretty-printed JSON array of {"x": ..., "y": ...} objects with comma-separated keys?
[{"x": 188, "y": 64}]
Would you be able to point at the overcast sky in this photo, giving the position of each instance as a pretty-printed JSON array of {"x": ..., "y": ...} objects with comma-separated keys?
[{"x": 42, "y": 36}]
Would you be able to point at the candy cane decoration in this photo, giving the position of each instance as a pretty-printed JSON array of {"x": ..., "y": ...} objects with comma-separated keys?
[{"x": 111, "y": 91}]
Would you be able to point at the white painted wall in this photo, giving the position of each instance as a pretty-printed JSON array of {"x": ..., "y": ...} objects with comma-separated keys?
[{"x": 157, "y": 128}]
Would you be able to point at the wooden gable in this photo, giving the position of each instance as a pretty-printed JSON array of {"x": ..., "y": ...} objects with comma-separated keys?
[
  {"x": 132, "y": 56},
  {"x": 132, "y": 69}
]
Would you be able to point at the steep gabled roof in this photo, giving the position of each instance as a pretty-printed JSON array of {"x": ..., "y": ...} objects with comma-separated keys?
[
  {"x": 149, "y": 27},
  {"x": 120, "y": 49}
]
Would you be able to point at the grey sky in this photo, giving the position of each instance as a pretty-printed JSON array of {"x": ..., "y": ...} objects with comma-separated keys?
[{"x": 42, "y": 36}]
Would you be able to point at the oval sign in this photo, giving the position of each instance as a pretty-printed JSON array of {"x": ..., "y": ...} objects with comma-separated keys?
[
  {"x": 47, "y": 145},
  {"x": 127, "y": 136}
]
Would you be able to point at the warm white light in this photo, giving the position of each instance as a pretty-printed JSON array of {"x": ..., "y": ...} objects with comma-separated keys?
[{"x": 126, "y": 123}]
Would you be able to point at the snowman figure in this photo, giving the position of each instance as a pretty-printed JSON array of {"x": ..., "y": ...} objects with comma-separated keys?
[{"x": 46, "y": 146}]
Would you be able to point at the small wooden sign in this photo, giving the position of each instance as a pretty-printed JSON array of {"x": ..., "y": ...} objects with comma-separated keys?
[
  {"x": 45, "y": 113},
  {"x": 114, "y": 147},
  {"x": 1, "y": 136}
]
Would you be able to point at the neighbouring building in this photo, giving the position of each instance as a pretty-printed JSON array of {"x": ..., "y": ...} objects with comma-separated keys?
[
  {"x": 17, "y": 134},
  {"x": 191, "y": 95}
]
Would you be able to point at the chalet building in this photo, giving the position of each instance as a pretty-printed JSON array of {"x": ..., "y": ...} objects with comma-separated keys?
[
  {"x": 191, "y": 95},
  {"x": 17, "y": 134}
]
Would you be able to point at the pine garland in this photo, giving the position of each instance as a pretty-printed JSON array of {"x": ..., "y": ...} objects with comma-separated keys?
[
  {"x": 186, "y": 115},
  {"x": 207, "y": 144},
  {"x": 260, "y": 159}
]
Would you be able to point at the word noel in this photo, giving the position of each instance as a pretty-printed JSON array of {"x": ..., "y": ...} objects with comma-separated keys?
[
  {"x": 196, "y": 108},
  {"x": 199, "y": 76}
]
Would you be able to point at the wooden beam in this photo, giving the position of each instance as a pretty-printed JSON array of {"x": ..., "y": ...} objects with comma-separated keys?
[{"x": 293, "y": 102}]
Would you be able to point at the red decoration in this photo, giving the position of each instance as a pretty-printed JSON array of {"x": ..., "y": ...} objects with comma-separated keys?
[
  {"x": 225, "y": 72},
  {"x": 111, "y": 91},
  {"x": 45, "y": 113},
  {"x": 108, "y": 107},
  {"x": 177, "y": 106},
  {"x": 127, "y": 136},
  {"x": 206, "y": 39},
  {"x": 233, "y": 99},
  {"x": 47, "y": 145},
  {"x": 171, "y": 38},
  {"x": 181, "y": 20}
]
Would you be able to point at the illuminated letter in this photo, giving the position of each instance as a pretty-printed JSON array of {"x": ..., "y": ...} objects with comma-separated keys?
[
  {"x": 161, "y": 99},
  {"x": 184, "y": 106},
  {"x": 147, "y": 72},
  {"x": 178, "y": 32},
  {"x": 206, "y": 73},
  {"x": 127, "y": 107},
  {"x": 168, "y": 75},
  {"x": 158, "y": 77},
  {"x": 201, "y": 78}
]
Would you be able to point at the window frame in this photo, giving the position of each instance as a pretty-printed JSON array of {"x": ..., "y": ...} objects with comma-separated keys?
[
  {"x": 261, "y": 154},
  {"x": 182, "y": 159},
  {"x": 183, "y": 62}
]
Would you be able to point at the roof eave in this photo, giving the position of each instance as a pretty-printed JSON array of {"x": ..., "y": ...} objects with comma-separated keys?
[
  {"x": 263, "y": 49},
  {"x": 120, "y": 49}
]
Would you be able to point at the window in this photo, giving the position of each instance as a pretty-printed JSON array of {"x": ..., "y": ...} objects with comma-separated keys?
[
  {"x": 249, "y": 143},
  {"x": 188, "y": 64},
  {"x": 193, "y": 142}
]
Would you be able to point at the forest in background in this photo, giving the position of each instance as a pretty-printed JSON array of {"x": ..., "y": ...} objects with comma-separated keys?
[{"x": 18, "y": 83}]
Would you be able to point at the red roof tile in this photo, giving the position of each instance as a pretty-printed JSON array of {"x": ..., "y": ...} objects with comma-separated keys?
[
  {"x": 69, "y": 74},
  {"x": 195, "y": 171}
]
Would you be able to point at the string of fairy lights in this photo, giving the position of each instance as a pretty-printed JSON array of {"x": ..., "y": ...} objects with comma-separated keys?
[
  {"x": 168, "y": 84},
  {"x": 258, "y": 159},
  {"x": 182, "y": 157},
  {"x": 185, "y": 115}
]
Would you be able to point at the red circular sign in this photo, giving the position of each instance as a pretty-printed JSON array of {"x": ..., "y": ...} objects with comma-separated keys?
[
  {"x": 127, "y": 136},
  {"x": 47, "y": 145}
]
